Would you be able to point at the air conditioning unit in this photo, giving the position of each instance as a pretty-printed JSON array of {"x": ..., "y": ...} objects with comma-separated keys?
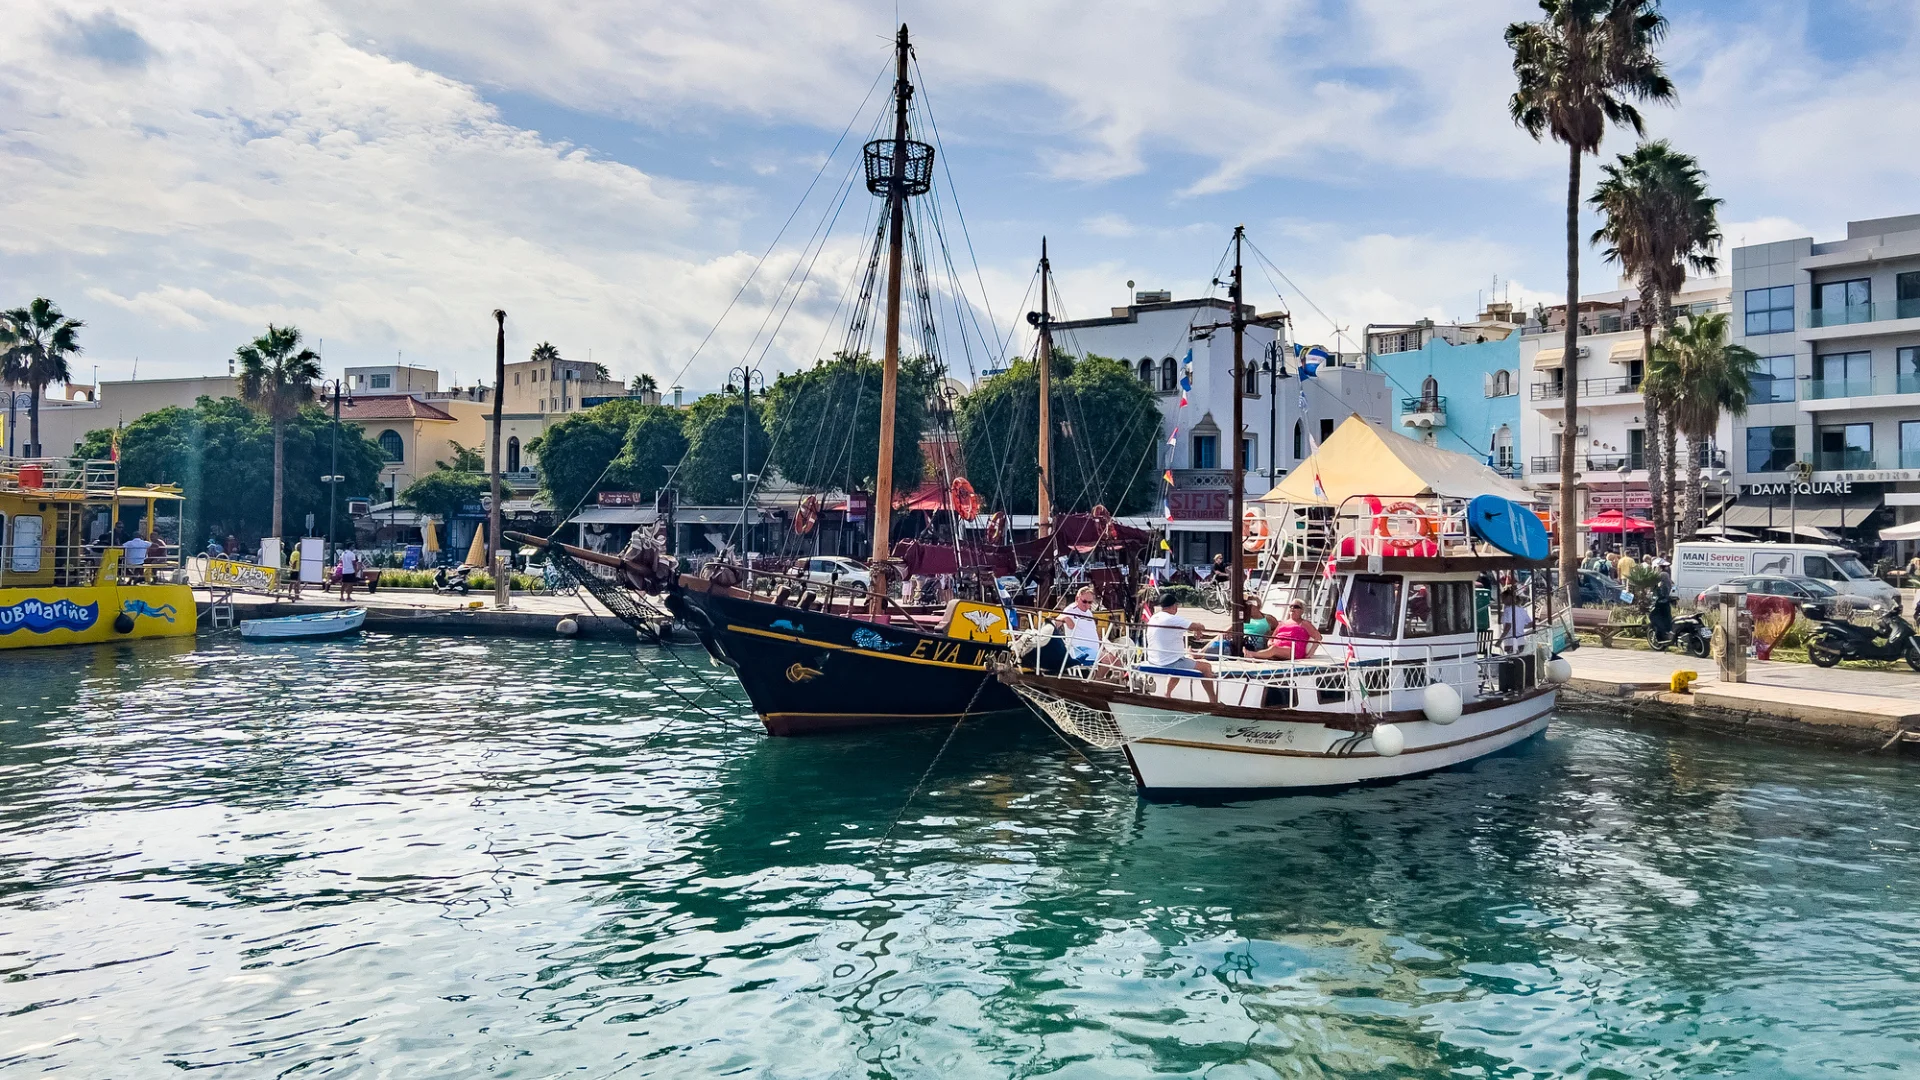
[
  {"x": 359, "y": 507},
  {"x": 1581, "y": 352},
  {"x": 1580, "y": 432}
]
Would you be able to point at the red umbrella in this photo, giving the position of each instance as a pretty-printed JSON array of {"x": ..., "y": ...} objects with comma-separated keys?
[{"x": 1615, "y": 521}]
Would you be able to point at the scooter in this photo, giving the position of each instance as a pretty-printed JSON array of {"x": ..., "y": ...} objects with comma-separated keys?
[
  {"x": 455, "y": 582},
  {"x": 1835, "y": 640},
  {"x": 1690, "y": 633}
]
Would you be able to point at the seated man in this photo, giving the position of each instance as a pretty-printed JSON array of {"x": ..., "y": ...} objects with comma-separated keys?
[
  {"x": 1167, "y": 648},
  {"x": 1294, "y": 639}
]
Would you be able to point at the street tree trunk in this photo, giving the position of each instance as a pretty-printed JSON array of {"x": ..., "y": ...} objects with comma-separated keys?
[
  {"x": 1690, "y": 485},
  {"x": 279, "y": 474},
  {"x": 1656, "y": 486},
  {"x": 1670, "y": 443},
  {"x": 33, "y": 417},
  {"x": 1570, "y": 361}
]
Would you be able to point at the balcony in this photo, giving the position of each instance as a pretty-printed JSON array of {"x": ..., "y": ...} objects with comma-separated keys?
[
  {"x": 1910, "y": 459},
  {"x": 1423, "y": 412},
  {"x": 1589, "y": 388},
  {"x": 1543, "y": 463},
  {"x": 1853, "y": 314},
  {"x": 1859, "y": 393},
  {"x": 1850, "y": 460},
  {"x": 1508, "y": 469},
  {"x": 1822, "y": 389}
]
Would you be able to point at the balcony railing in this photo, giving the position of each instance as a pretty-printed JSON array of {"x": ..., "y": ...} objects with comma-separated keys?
[
  {"x": 1544, "y": 464},
  {"x": 1553, "y": 391},
  {"x": 1864, "y": 313},
  {"x": 1508, "y": 469},
  {"x": 1910, "y": 459},
  {"x": 1437, "y": 404},
  {"x": 1831, "y": 461},
  {"x": 1820, "y": 389}
]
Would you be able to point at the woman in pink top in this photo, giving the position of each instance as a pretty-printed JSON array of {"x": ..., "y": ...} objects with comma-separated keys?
[{"x": 1294, "y": 639}]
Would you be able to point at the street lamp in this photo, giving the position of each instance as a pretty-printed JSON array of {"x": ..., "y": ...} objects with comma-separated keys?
[{"x": 333, "y": 479}]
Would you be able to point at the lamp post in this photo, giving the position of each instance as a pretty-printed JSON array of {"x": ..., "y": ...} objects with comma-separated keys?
[
  {"x": 1801, "y": 472},
  {"x": 747, "y": 376},
  {"x": 333, "y": 479}
]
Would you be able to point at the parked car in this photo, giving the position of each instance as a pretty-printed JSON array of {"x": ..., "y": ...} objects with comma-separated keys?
[
  {"x": 1597, "y": 590},
  {"x": 833, "y": 570},
  {"x": 1806, "y": 590}
]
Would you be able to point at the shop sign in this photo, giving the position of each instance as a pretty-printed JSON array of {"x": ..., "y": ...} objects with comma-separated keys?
[
  {"x": 1782, "y": 489},
  {"x": 1633, "y": 499},
  {"x": 1873, "y": 476},
  {"x": 1205, "y": 504},
  {"x": 241, "y": 575},
  {"x": 619, "y": 498}
]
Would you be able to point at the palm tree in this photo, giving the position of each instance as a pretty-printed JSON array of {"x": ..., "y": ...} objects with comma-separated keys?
[
  {"x": 644, "y": 383},
  {"x": 37, "y": 341},
  {"x": 544, "y": 353},
  {"x": 1659, "y": 224},
  {"x": 277, "y": 377},
  {"x": 1578, "y": 70},
  {"x": 1706, "y": 378}
]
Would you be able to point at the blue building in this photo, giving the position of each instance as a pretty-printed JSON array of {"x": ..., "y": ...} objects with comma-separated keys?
[{"x": 1456, "y": 386}]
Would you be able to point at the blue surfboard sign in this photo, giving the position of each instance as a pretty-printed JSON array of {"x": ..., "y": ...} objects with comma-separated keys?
[{"x": 1509, "y": 526}]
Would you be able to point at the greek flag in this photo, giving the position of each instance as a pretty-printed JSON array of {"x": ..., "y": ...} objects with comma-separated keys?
[{"x": 1186, "y": 378}]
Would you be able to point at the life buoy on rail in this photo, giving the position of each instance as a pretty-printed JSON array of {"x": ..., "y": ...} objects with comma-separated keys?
[
  {"x": 1254, "y": 529},
  {"x": 997, "y": 527},
  {"x": 1401, "y": 543},
  {"x": 805, "y": 518},
  {"x": 1350, "y": 546},
  {"x": 966, "y": 504}
]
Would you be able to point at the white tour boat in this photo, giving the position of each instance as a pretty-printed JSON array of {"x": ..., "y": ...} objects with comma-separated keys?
[{"x": 1394, "y": 547}]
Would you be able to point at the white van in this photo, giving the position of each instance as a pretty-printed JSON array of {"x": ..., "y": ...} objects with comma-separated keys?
[{"x": 1699, "y": 565}]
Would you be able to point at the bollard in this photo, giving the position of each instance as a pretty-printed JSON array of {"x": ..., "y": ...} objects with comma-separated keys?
[{"x": 1734, "y": 634}]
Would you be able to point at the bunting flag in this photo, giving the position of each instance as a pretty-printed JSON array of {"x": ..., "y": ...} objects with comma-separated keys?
[
  {"x": 1186, "y": 378},
  {"x": 1173, "y": 437},
  {"x": 1168, "y": 477}
]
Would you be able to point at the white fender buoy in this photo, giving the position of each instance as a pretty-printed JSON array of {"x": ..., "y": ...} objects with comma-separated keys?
[
  {"x": 1441, "y": 703},
  {"x": 566, "y": 627},
  {"x": 1559, "y": 670},
  {"x": 1388, "y": 740}
]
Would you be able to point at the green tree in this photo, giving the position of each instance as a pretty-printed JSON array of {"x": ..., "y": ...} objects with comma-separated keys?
[
  {"x": 445, "y": 491},
  {"x": 644, "y": 383},
  {"x": 465, "y": 459},
  {"x": 1706, "y": 378},
  {"x": 1579, "y": 69},
  {"x": 713, "y": 428},
  {"x": 1659, "y": 223},
  {"x": 544, "y": 353},
  {"x": 574, "y": 455},
  {"x": 221, "y": 453},
  {"x": 828, "y": 423},
  {"x": 1106, "y": 435},
  {"x": 35, "y": 342},
  {"x": 656, "y": 441},
  {"x": 277, "y": 377}
]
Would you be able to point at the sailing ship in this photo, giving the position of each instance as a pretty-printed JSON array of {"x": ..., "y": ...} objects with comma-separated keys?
[
  {"x": 1394, "y": 550},
  {"x": 63, "y": 580}
]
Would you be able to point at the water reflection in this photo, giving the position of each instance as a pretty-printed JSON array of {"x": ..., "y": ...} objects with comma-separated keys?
[{"x": 411, "y": 856}]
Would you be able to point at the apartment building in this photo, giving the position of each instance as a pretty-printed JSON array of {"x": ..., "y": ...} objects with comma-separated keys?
[
  {"x": 1834, "y": 424},
  {"x": 1457, "y": 385}
]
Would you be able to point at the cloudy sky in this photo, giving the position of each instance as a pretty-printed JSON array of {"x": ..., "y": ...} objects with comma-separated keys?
[{"x": 383, "y": 174}]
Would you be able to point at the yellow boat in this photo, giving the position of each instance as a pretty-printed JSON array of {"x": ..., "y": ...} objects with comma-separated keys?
[{"x": 69, "y": 538}]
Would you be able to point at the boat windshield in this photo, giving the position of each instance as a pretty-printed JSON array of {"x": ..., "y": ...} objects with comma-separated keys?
[{"x": 1373, "y": 606}]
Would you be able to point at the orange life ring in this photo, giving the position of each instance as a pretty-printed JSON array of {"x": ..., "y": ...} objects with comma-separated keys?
[
  {"x": 805, "y": 518},
  {"x": 966, "y": 504},
  {"x": 997, "y": 527},
  {"x": 1383, "y": 528},
  {"x": 1254, "y": 527}
]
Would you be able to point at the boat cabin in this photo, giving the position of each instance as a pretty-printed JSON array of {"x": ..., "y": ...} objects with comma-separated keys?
[{"x": 62, "y": 520}]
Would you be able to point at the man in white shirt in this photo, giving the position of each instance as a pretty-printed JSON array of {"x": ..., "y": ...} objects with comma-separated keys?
[
  {"x": 349, "y": 571},
  {"x": 1081, "y": 629},
  {"x": 1166, "y": 635},
  {"x": 136, "y": 552}
]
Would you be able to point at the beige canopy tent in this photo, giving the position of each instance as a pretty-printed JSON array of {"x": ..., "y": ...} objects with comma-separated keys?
[{"x": 1360, "y": 459}]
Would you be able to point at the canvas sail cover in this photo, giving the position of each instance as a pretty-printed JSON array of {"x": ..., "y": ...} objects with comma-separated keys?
[{"x": 1360, "y": 459}]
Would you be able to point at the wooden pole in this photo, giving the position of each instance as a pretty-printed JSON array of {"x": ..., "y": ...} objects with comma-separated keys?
[
  {"x": 890, "y": 368},
  {"x": 1238, "y": 577},
  {"x": 495, "y": 541},
  {"x": 1045, "y": 506}
]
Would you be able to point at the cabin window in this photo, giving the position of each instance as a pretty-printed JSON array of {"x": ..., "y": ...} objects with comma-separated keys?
[
  {"x": 1435, "y": 608},
  {"x": 26, "y": 546},
  {"x": 1373, "y": 606}
]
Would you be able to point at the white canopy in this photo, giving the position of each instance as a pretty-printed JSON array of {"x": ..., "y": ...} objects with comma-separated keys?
[
  {"x": 1909, "y": 531},
  {"x": 1359, "y": 459}
]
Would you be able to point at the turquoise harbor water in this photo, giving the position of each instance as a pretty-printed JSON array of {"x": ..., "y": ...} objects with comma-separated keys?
[{"x": 415, "y": 857}]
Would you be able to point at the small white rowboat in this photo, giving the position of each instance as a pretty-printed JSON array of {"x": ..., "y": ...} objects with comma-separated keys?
[{"x": 318, "y": 625}]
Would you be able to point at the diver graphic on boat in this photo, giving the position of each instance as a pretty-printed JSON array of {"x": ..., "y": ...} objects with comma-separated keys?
[{"x": 141, "y": 607}]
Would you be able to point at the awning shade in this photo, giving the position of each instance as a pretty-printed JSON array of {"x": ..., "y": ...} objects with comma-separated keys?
[
  {"x": 1359, "y": 459},
  {"x": 1909, "y": 531},
  {"x": 615, "y": 515},
  {"x": 1625, "y": 352},
  {"x": 1761, "y": 516},
  {"x": 1548, "y": 358}
]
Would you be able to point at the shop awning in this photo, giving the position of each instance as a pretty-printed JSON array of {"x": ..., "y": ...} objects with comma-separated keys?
[
  {"x": 1615, "y": 521},
  {"x": 1909, "y": 531},
  {"x": 1761, "y": 516},
  {"x": 1625, "y": 352},
  {"x": 1548, "y": 358},
  {"x": 615, "y": 515}
]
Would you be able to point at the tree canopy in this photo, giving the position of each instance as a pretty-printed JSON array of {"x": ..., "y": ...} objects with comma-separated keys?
[
  {"x": 1106, "y": 434},
  {"x": 221, "y": 453},
  {"x": 827, "y": 420},
  {"x": 576, "y": 455},
  {"x": 445, "y": 491},
  {"x": 713, "y": 451}
]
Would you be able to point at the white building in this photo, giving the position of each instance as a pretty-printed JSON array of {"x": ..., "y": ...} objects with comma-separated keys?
[
  {"x": 1838, "y": 324},
  {"x": 1153, "y": 338},
  {"x": 1610, "y": 436}
]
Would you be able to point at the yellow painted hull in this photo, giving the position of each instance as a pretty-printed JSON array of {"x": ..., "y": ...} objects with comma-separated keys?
[{"x": 36, "y": 616}]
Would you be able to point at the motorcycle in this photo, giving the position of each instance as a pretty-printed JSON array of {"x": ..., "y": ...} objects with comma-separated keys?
[
  {"x": 1690, "y": 633},
  {"x": 1835, "y": 640},
  {"x": 455, "y": 582}
]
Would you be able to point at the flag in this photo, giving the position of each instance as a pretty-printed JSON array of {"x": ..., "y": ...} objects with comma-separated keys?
[
  {"x": 1319, "y": 490},
  {"x": 1186, "y": 378},
  {"x": 1173, "y": 437},
  {"x": 1168, "y": 477}
]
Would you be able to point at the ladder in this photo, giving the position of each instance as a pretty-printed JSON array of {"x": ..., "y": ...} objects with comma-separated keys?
[{"x": 220, "y": 613}]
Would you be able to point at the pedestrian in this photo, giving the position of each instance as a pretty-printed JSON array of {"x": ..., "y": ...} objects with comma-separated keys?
[
  {"x": 1660, "y": 613},
  {"x": 348, "y": 570},
  {"x": 1515, "y": 621},
  {"x": 1627, "y": 567},
  {"x": 232, "y": 546},
  {"x": 1167, "y": 652},
  {"x": 214, "y": 550},
  {"x": 293, "y": 571}
]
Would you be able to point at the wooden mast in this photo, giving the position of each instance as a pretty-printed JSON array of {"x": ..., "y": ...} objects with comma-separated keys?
[
  {"x": 1045, "y": 506},
  {"x": 1238, "y": 575},
  {"x": 890, "y": 369}
]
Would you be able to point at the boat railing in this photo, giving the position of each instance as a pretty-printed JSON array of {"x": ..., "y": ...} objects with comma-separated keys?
[
  {"x": 1295, "y": 537},
  {"x": 59, "y": 476},
  {"x": 831, "y": 597}
]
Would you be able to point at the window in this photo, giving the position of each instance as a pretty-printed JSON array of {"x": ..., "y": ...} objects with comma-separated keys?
[
  {"x": 1146, "y": 371},
  {"x": 1818, "y": 567},
  {"x": 1770, "y": 449},
  {"x": 1169, "y": 376},
  {"x": 1910, "y": 444},
  {"x": 1834, "y": 297},
  {"x": 516, "y": 378},
  {"x": 392, "y": 445},
  {"x": 1439, "y": 607},
  {"x": 1848, "y": 374},
  {"x": 1636, "y": 448},
  {"x": 380, "y": 382},
  {"x": 1772, "y": 381},
  {"x": 1373, "y": 606},
  {"x": 1206, "y": 452},
  {"x": 1250, "y": 381},
  {"x": 1770, "y": 311},
  {"x": 1906, "y": 370},
  {"x": 1906, "y": 293},
  {"x": 513, "y": 454},
  {"x": 1500, "y": 384},
  {"x": 1247, "y": 455},
  {"x": 1503, "y": 448},
  {"x": 27, "y": 530},
  {"x": 1299, "y": 440},
  {"x": 1326, "y": 430},
  {"x": 1845, "y": 446}
]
